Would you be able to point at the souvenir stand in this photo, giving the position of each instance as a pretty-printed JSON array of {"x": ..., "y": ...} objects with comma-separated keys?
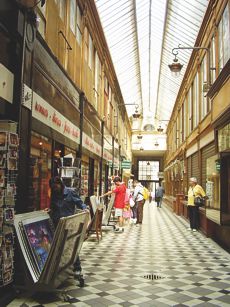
[
  {"x": 48, "y": 255},
  {"x": 8, "y": 174}
]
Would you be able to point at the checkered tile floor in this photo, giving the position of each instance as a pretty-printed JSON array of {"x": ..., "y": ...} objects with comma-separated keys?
[{"x": 158, "y": 263}]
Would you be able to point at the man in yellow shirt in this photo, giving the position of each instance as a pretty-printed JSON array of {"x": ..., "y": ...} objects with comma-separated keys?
[{"x": 194, "y": 191}]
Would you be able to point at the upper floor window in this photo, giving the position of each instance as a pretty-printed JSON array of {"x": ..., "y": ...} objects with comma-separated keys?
[
  {"x": 97, "y": 80},
  {"x": 90, "y": 62},
  {"x": 203, "y": 81},
  {"x": 224, "y": 39},
  {"x": 41, "y": 13},
  {"x": 212, "y": 61},
  {"x": 190, "y": 123},
  {"x": 195, "y": 98},
  {"x": 72, "y": 16},
  {"x": 62, "y": 8},
  {"x": 79, "y": 26}
]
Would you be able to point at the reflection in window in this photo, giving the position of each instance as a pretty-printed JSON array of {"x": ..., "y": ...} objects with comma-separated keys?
[{"x": 148, "y": 170}]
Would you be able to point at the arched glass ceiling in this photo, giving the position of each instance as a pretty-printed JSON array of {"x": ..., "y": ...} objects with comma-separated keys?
[{"x": 140, "y": 35}]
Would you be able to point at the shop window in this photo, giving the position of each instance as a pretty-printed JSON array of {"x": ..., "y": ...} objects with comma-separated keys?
[
  {"x": 96, "y": 177},
  {"x": 40, "y": 171},
  {"x": 84, "y": 178},
  {"x": 213, "y": 188}
]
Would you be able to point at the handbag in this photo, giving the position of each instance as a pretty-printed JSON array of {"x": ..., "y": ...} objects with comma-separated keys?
[
  {"x": 199, "y": 201},
  {"x": 131, "y": 202}
]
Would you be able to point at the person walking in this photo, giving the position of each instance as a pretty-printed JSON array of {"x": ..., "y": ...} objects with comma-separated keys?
[
  {"x": 159, "y": 195},
  {"x": 119, "y": 202},
  {"x": 139, "y": 202},
  {"x": 194, "y": 191}
]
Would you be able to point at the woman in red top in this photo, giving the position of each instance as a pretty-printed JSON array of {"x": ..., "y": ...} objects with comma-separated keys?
[{"x": 119, "y": 202}]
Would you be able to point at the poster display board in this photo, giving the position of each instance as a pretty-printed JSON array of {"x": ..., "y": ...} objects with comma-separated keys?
[{"x": 47, "y": 254}]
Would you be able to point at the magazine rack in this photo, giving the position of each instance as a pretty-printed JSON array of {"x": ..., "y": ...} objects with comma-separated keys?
[{"x": 48, "y": 256}]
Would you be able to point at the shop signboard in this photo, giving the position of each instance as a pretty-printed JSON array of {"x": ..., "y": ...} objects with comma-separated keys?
[
  {"x": 126, "y": 164},
  {"x": 44, "y": 112},
  {"x": 160, "y": 175},
  {"x": 91, "y": 145},
  {"x": 107, "y": 156}
]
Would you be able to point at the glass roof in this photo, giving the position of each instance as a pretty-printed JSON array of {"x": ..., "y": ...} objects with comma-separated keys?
[{"x": 141, "y": 35}]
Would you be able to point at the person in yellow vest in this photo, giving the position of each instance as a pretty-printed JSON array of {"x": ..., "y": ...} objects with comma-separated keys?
[{"x": 194, "y": 191}]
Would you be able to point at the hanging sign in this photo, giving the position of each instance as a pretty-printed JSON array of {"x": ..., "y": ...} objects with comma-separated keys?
[{"x": 126, "y": 164}]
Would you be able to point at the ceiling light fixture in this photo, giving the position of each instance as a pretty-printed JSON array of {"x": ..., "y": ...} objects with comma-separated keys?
[
  {"x": 148, "y": 163},
  {"x": 139, "y": 136},
  {"x": 136, "y": 114},
  {"x": 156, "y": 143},
  {"x": 141, "y": 148},
  {"x": 160, "y": 129}
]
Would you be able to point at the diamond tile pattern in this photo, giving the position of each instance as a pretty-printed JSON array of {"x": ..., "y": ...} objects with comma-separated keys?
[{"x": 192, "y": 269}]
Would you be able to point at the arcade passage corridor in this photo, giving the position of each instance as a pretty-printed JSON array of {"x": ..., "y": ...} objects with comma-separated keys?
[{"x": 159, "y": 263}]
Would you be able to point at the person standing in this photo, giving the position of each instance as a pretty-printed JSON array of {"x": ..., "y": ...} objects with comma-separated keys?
[
  {"x": 194, "y": 191},
  {"x": 119, "y": 202},
  {"x": 139, "y": 202},
  {"x": 159, "y": 195}
]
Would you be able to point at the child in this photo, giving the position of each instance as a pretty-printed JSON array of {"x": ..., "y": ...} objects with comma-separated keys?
[{"x": 127, "y": 213}]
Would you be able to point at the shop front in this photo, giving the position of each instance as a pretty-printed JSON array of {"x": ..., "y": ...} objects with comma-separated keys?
[{"x": 54, "y": 125}]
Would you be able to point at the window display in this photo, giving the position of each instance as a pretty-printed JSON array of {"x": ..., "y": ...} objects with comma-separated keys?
[
  {"x": 40, "y": 171},
  {"x": 84, "y": 178},
  {"x": 213, "y": 189}
]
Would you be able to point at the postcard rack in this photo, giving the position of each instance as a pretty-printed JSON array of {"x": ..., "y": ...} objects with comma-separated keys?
[
  {"x": 69, "y": 171},
  {"x": 9, "y": 142},
  {"x": 48, "y": 255}
]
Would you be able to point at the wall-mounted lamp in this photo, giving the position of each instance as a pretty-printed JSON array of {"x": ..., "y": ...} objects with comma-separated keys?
[
  {"x": 141, "y": 148},
  {"x": 139, "y": 136},
  {"x": 176, "y": 67}
]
